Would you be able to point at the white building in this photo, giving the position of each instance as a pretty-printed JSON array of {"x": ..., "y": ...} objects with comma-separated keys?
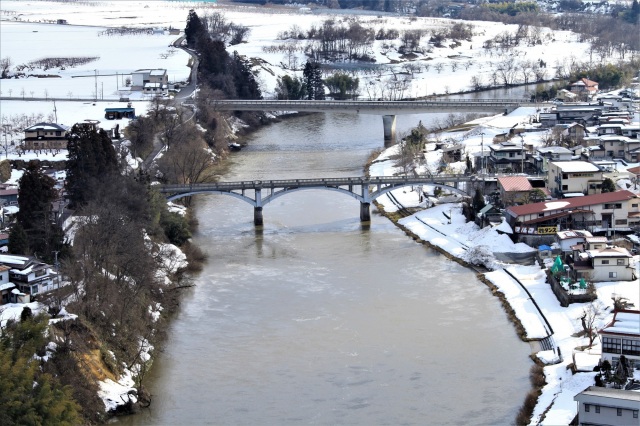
[
  {"x": 605, "y": 406},
  {"x": 153, "y": 81},
  {"x": 574, "y": 177},
  {"x": 622, "y": 337}
]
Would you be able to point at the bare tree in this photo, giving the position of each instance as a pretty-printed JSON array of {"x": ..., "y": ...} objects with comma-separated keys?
[{"x": 591, "y": 314}]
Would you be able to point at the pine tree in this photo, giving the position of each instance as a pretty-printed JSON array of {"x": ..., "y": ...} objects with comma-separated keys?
[
  {"x": 478, "y": 201},
  {"x": 18, "y": 241},
  {"x": 91, "y": 159},
  {"x": 35, "y": 194},
  {"x": 193, "y": 29}
]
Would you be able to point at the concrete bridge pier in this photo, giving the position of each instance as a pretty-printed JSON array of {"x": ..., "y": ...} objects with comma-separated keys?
[
  {"x": 257, "y": 216},
  {"x": 365, "y": 213},
  {"x": 389, "y": 123}
]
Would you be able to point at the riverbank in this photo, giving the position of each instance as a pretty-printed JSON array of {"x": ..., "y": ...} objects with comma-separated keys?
[{"x": 444, "y": 228}]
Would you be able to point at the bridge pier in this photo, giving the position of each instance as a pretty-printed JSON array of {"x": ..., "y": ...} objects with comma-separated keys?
[
  {"x": 365, "y": 214},
  {"x": 257, "y": 216},
  {"x": 389, "y": 123}
]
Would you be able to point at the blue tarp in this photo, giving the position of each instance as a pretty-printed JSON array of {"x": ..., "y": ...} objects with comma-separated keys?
[{"x": 544, "y": 247}]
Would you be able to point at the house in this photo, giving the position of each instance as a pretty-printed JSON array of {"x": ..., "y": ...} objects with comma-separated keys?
[
  {"x": 566, "y": 178},
  {"x": 5, "y": 285},
  {"x": 622, "y": 337},
  {"x": 567, "y": 239},
  {"x": 545, "y": 154},
  {"x": 617, "y": 146},
  {"x": 611, "y": 211},
  {"x": 29, "y": 275},
  {"x": 515, "y": 190},
  {"x": 607, "y": 406},
  {"x": 8, "y": 196},
  {"x": 506, "y": 157},
  {"x": 584, "y": 88},
  {"x": 488, "y": 214},
  {"x": 452, "y": 154},
  {"x": 46, "y": 136},
  {"x": 608, "y": 263},
  {"x": 153, "y": 81}
]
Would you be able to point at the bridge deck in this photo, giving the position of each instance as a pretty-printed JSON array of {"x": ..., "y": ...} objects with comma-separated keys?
[
  {"x": 375, "y": 107},
  {"x": 311, "y": 183}
]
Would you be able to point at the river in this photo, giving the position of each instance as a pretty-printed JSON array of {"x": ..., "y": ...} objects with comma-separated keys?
[{"x": 317, "y": 319}]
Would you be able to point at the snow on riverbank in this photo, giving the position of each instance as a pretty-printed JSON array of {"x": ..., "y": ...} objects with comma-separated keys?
[{"x": 445, "y": 227}]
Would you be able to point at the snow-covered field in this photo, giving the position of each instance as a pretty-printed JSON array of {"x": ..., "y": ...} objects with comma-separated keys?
[{"x": 26, "y": 35}]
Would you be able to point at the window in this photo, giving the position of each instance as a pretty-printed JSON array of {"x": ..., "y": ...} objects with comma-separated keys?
[
  {"x": 619, "y": 411},
  {"x": 631, "y": 347},
  {"x": 620, "y": 261},
  {"x": 586, "y": 408},
  {"x": 613, "y": 275},
  {"x": 611, "y": 345},
  {"x": 565, "y": 187},
  {"x": 565, "y": 176},
  {"x": 635, "y": 414},
  {"x": 605, "y": 261},
  {"x": 598, "y": 409}
]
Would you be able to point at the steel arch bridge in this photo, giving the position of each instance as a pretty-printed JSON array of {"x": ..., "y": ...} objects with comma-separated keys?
[{"x": 260, "y": 193}]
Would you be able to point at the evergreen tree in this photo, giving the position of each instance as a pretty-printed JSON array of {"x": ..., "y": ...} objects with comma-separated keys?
[
  {"x": 27, "y": 395},
  {"x": 290, "y": 88},
  {"x": 478, "y": 201},
  {"x": 91, "y": 159},
  {"x": 245, "y": 83},
  {"x": 313, "y": 80},
  {"x": 608, "y": 185},
  {"x": 18, "y": 242},
  {"x": 194, "y": 29},
  {"x": 35, "y": 194}
]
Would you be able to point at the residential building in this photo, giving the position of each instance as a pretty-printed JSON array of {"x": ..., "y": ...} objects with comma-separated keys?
[
  {"x": 585, "y": 89},
  {"x": 506, "y": 157},
  {"x": 611, "y": 211},
  {"x": 516, "y": 190},
  {"x": 153, "y": 81},
  {"x": 567, "y": 239},
  {"x": 46, "y": 136},
  {"x": 622, "y": 337},
  {"x": 608, "y": 263},
  {"x": 545, "y": 154},
  {"x": 617, "y": 146},
  {"x": 568, "y": 178},
  {"x": 29, "y": 275},
  {"x": 5, "y": 285},
  {"x": 606, "y": 406}
]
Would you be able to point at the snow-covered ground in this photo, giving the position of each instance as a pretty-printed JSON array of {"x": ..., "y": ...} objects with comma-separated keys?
[
  {"x": 444, "y": 226},
  {"x": 27, "y": 35}
]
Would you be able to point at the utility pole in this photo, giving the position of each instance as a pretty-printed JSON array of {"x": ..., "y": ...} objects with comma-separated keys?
[
  {"x": 95, "y": 74},
  {"x": 482, "y": 152},
  {"x": 522, "y": 154}
]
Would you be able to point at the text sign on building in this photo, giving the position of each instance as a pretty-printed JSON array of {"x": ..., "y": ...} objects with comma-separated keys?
[{"x": 546, "y": 230}]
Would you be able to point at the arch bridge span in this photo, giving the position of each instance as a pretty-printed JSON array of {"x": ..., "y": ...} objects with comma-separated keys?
[{"x": 259, "y": 193}]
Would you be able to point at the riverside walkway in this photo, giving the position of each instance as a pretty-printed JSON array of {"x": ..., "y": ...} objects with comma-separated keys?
[{"x": 259, "y": 193}]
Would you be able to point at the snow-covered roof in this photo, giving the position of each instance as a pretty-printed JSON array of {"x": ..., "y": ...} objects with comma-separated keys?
[
  {"x": 624, "y": 322},
  {"x": 610, "y": 251},
  {"x": 565, "y": 235},
  {"x": 570, "y": 203},
  {"x": 6, "y": 286},
  {"x": 576, "y": 166},
  {"x": 46, "y": 126}
]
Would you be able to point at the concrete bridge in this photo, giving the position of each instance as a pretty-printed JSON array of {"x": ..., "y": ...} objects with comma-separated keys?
[
  {"x": 388, "y": 109},
  {"x": 260, "y": 193}
]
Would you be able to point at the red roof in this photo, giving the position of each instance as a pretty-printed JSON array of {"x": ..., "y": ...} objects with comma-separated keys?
[
  {"x": 570, "y": 203},
  {"x": 514, "y": 183}
]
